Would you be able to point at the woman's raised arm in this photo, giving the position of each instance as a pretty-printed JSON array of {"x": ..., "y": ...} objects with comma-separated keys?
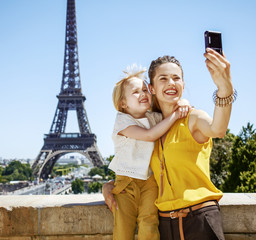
[{"x": 201, "y": 125}]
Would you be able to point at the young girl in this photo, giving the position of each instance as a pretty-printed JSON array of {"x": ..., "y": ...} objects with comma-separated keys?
[{"x": 135, "y": 130}]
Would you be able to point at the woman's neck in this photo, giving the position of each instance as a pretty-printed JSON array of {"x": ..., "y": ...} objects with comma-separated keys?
[{"x": 166, "y": 109}]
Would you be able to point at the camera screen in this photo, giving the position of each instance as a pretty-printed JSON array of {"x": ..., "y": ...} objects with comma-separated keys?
[{"x": 215, "y": 40}]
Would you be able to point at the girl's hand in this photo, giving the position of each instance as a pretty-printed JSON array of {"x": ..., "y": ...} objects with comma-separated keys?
[
  {"x": 182, "y": 108},
  {"x": 182, "y": 112},
  {"x": 108, "y": 195}
]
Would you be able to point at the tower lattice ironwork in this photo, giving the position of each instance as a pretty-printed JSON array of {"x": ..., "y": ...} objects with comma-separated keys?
[{"x": 58, "y": 143}]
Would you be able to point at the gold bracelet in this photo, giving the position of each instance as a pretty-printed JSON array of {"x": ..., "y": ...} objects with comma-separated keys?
[{"x": 226, "y": 101}]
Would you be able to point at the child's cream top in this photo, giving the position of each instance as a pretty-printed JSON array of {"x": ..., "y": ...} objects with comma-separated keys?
[{"x": 132, "y": 157}]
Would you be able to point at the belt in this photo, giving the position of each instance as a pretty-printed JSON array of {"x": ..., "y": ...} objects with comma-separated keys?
[{"x": 184, "y": 212}]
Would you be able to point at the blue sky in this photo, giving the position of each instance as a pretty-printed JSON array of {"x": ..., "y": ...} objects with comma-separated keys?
[{"x": 111, "y": 35}]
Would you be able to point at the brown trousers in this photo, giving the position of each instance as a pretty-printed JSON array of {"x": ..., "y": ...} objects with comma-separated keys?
[
  {"x": 135, "y": 206},
  {"x": 202, "y": 224}
]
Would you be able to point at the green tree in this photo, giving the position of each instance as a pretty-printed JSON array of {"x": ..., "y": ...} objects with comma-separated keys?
[
  {"x": 109, "y": 159},
  {"x": 1, "y": 170},
  {"x": 242, "y": 168},
  {"x": 57, "y": 169},
  {"x": 103, "y": 170},
  {"x": 94, "y": 187},
  {"x": 17, "y": 171},
  {"x": 97, "y": 170},
  {"x": 110, "y": 173},
  {"x": 77, "y": 186},
  {"x": 221, "y": 158}
]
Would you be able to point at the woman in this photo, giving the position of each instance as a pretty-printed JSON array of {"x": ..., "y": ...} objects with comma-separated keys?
[{"x": 187, "y": 200}]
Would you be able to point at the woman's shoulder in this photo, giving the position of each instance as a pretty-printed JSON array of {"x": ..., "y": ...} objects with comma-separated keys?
[{"x": 196, "y": 114}]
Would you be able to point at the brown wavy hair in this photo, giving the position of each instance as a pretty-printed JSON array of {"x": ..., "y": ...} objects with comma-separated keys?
[{"x": 152, "y": 72}]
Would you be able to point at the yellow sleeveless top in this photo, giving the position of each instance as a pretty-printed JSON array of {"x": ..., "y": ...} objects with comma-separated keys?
[{"x": 186, "y": 173}]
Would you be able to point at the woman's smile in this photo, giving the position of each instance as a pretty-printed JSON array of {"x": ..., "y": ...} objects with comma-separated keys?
[
  {"x": 168, "y": 82},
  {"x": 171, "y": 91}
]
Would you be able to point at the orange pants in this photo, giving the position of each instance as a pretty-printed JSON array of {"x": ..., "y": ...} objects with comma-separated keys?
[{"x": 135, "y": 206}]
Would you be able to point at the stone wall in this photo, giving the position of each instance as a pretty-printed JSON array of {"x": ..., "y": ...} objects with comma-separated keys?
[{"x": 78, "y": 217}]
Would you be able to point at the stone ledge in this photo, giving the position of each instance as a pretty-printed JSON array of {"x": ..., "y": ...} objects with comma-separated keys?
[
  {"x": 239, "y": 213},
  {"x": 87, "y": 217},
  {"x": 62, "y": 237}
]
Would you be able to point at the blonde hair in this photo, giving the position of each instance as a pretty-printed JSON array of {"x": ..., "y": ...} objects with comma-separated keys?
[{"x": 132, "y": 71}]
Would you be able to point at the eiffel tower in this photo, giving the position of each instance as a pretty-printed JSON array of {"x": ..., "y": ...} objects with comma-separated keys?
[{"x": 58, "y": 143}]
